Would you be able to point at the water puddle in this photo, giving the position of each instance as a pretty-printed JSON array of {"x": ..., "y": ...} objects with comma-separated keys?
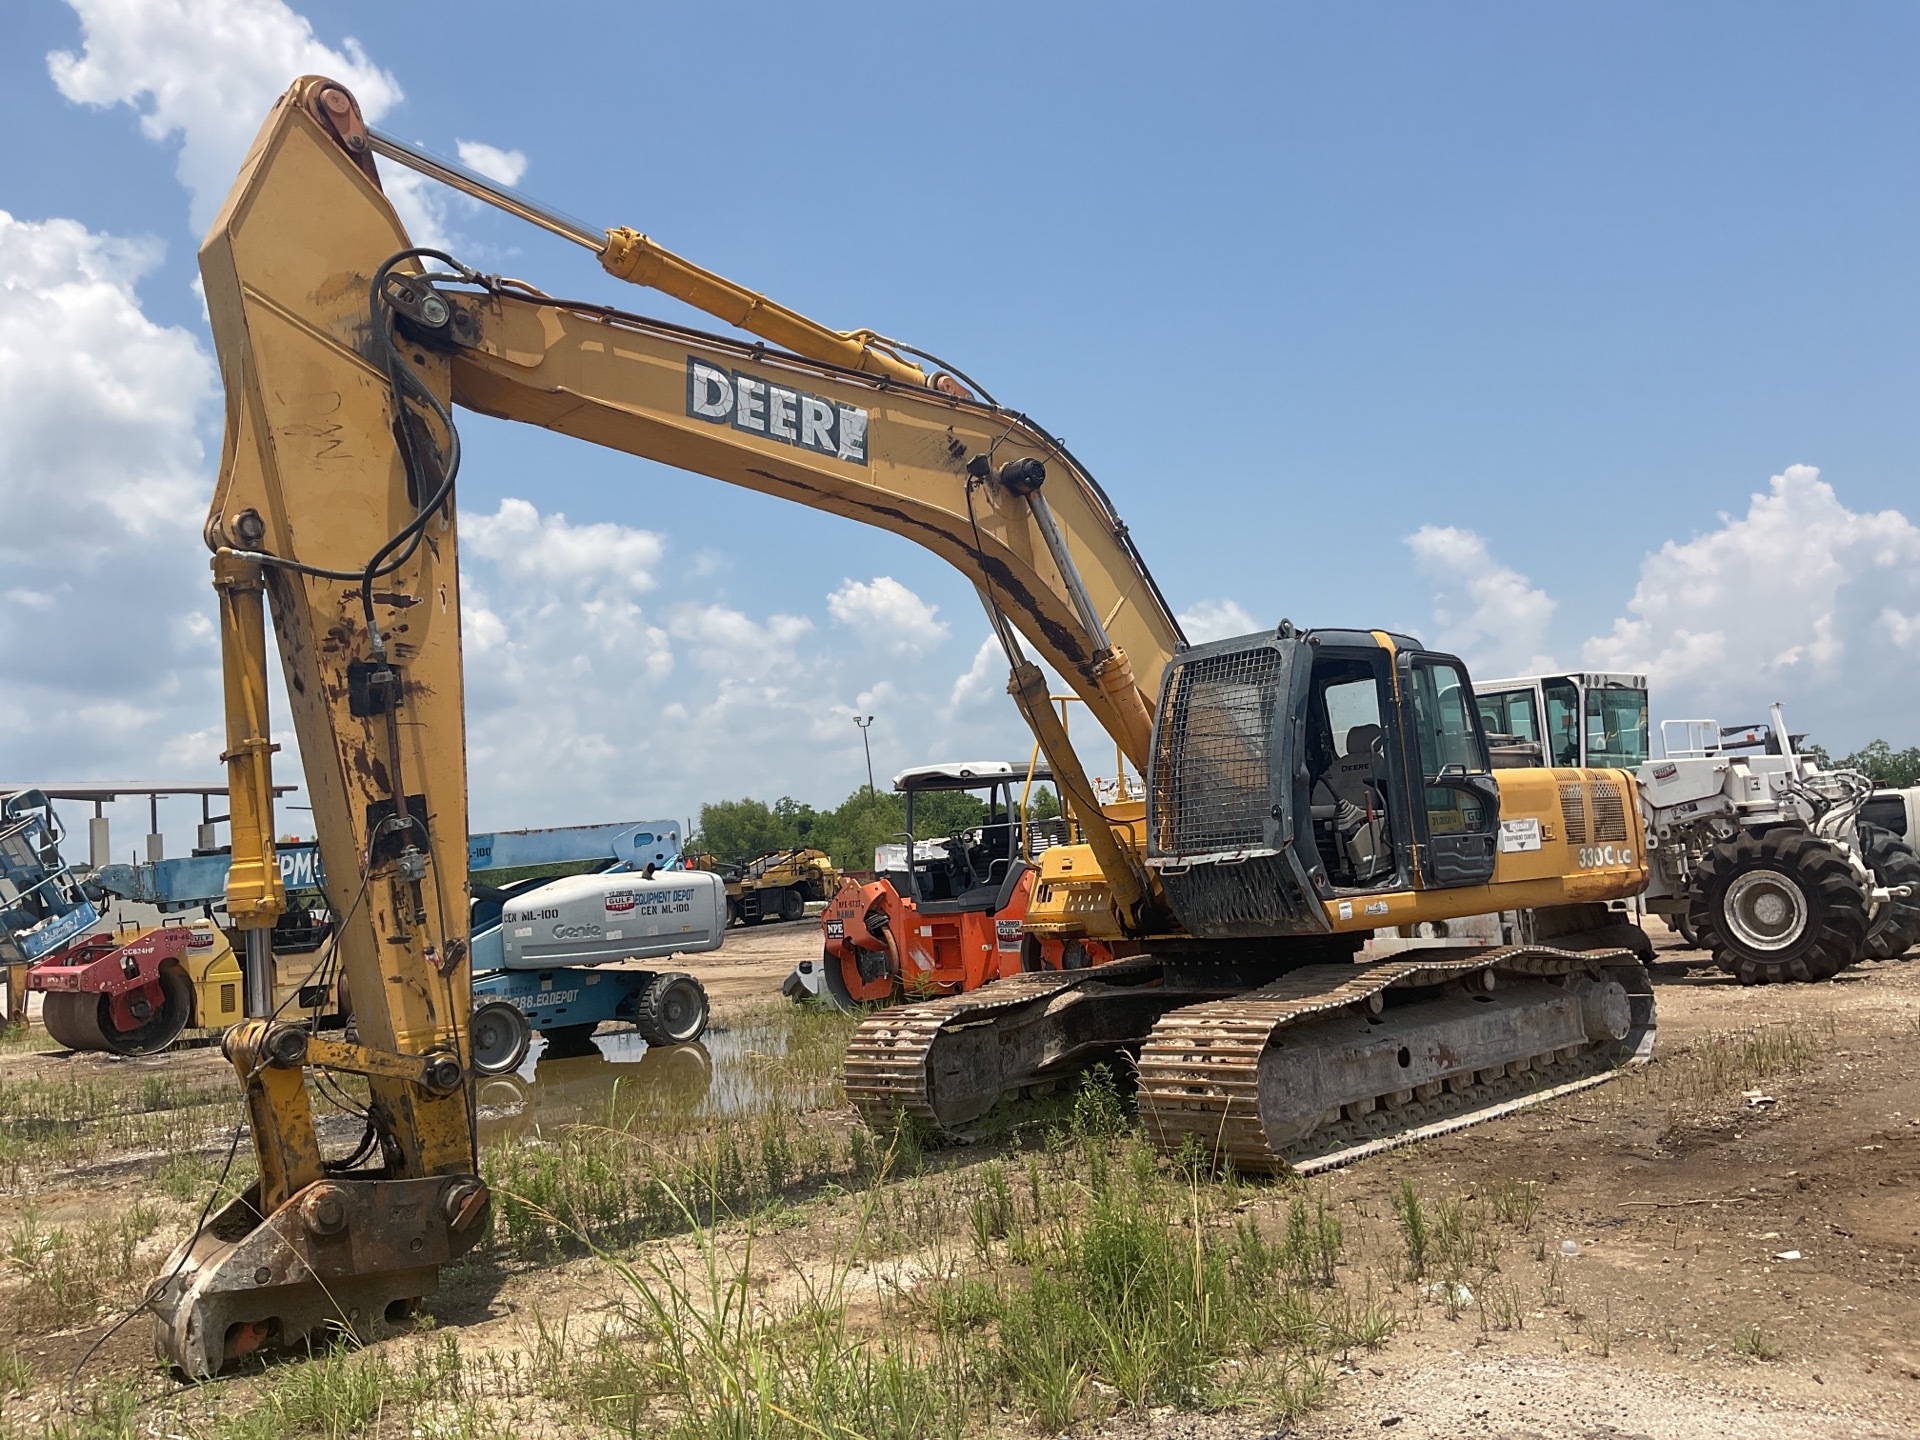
[{"x": 618, "y": 1080}]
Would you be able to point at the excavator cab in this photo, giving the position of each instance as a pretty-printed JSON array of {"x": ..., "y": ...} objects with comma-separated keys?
[{"x": 1297, "y": 767}]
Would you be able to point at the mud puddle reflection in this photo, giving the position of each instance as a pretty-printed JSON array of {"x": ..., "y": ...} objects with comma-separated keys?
[{"x": 618, "y": 1080}]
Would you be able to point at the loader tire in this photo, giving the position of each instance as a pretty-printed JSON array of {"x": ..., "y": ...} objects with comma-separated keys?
[
  {"x": 1893, "y": 862},
  {"x": 672, "y": 1010},
  {"x": 1683, "y": 927},
  {"x": 1778, "y": 906}
]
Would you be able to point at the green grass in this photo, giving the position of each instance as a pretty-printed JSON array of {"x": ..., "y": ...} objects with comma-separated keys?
[
  {"x": 16, "y": 1373},
  {"x": 1415, "y": 1236},
  {"x": 68, "y": 1273},
  {"x": 77, "y": 1119},
  {"x": 17, "y": 1041},
  {"x": 645, "y": 1165},
  {"x": 1066, "y": 1276},
  {"x": 1756, "y": 1344},
  {"x": 1091, "y": 1278},
  {"x": 1724, "y": 1063}
]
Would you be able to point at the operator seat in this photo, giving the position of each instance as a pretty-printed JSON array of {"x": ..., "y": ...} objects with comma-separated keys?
[
  {"x": 1356, "y": 783},
  {"x": 1352, "y": 772},
  {"x": 993, "y": 854}
]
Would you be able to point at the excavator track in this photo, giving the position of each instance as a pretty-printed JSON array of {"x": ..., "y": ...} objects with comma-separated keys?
[
  {"x": 1312, "y": 1071},
  {"x": 892, "y": 1071},
  {"x": 1286, "y": 1076}
]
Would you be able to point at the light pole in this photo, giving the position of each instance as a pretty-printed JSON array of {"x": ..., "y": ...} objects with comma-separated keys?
[{"x": 867, "y": 746}]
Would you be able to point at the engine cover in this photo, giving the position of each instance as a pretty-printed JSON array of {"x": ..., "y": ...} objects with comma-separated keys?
[{"x": 594, "y": 919}]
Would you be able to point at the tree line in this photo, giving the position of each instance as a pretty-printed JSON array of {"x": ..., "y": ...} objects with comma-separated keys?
[
  {"x": 1878, "y": 761},
  {"x": 741, "y": 829}
]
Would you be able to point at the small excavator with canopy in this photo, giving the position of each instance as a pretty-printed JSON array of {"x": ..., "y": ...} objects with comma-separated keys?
[{"x": 1305, "y": 788}]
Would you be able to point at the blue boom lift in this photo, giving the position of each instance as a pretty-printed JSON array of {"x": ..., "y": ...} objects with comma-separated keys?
[{"x": 539, "y": 945}]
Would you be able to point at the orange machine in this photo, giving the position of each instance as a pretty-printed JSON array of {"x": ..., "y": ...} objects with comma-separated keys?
[{"x": 947, "y": 915}]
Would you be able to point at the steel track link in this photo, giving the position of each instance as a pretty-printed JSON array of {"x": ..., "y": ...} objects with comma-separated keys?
[
  {"x": 886, "y": 1070},
  {"x": 1200, "y": 1068}
]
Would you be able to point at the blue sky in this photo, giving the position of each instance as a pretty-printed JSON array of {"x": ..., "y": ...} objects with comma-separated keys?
[{"x": 1442, "y": 317}]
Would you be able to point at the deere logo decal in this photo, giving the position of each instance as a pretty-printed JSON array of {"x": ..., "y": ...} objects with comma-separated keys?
[{"x": 779, "y": 412}]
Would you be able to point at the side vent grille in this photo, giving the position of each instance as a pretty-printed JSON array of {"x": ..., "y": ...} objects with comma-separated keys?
[
  {"x": 1573, "y": 812},
  {"x": 1609, "y": 812}
]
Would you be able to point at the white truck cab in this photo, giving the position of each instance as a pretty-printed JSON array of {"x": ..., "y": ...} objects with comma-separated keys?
[
  {"x": 1895, "y": 810},
  {"x": 1592, "y": 718}
]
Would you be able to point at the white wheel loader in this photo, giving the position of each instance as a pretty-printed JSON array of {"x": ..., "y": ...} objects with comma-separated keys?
[
  {"x": 1764, "y": 859},
  {"x": 1783, "y": 870}
]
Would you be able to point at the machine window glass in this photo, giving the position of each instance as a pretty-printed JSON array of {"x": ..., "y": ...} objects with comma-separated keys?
[
  {"x": 1352, "y": 704},
  {"x": 1889, "y": 812},
  {"x": 1510, "y": 712},
  {"x": 1453, "y": 811},
  {"x": 1617, "y": 728},
  {"x": 1350, "y": 820},
  {"x": 1448, "y": 739},
  {"x": 1563, "y": 722}
]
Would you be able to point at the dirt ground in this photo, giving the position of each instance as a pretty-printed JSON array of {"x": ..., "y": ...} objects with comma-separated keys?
[
  {"x": 754, "y": 960},
  {"x": 1711, "y": 1257},
  {"x": 1745, "y": 1264}
]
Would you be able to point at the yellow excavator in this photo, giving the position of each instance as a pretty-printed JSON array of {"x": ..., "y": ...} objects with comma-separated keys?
[{"x": 1305, "y": 788}]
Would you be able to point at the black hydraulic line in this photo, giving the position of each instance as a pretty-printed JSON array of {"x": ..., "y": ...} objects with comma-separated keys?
[{"x": 401, "y": 377}]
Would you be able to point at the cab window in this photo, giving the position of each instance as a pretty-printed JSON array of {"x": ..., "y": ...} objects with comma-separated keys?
[
  {"x": 1510, "y": 712},
  {"x": 1449, "y": 743},
  {"x": 1563, "y": 722},
  {"x": 1889, "y": 812},
  {"x": 1617, "y": 727},
  {"x": 1353, "y": 705}
]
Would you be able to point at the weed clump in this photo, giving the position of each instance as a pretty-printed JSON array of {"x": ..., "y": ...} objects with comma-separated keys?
[
  {"x": 71, "y": 1274},
  {"x": 1138, "y": 1289},
  {"x": 1414, "y": 1235}
]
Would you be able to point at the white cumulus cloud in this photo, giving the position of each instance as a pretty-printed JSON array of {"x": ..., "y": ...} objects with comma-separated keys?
[
  {"x": 732, "y": 643},
  {"x": 887, "y": 615},
  {"x": 547, "y": 550},
  {"x": 1217, "y": 620},
  {"x": 1902, "y": 630},
  {"x": 101, "y": 403},
  {"x": 206, "y": 72},
  {"x": 983, "y": 679},
  {"x": 503, "y": 166},
  {"x": 1797, "y": 599},
  {"x": 203, "y": 75},
  {"x": 104, "y": 635},
  {"x": 1488, "y": 613}
]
